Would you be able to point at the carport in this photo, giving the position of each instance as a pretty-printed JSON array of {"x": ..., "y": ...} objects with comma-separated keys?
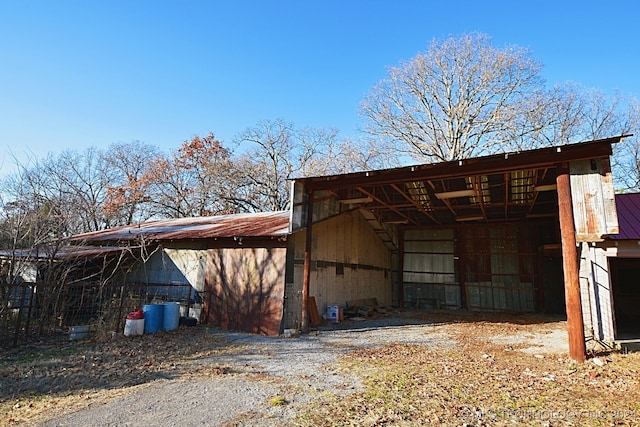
[{"x": 492, "y": 233}]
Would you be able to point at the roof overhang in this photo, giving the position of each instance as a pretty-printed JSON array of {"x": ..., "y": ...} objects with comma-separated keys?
[{"x": 500, "y": 187}]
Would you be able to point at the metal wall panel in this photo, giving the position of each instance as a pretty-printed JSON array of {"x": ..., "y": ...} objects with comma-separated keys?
[
  {"x": 500, "y": 267},
  {"x": 429, "y": 272}
]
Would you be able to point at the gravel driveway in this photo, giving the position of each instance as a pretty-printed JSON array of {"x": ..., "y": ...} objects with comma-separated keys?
[{"x": 295, "y": 369}]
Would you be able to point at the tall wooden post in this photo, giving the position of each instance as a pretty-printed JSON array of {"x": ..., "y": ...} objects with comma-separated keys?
[
  {"x": 401, "y": 267},
  {"x": 307, "y": 264},
  {"x": 577, "y": 348}
]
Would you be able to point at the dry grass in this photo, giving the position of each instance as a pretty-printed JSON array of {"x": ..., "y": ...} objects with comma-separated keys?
[
  {"x": 39, "y": 380},
  {"x": 479, "y": 383}
]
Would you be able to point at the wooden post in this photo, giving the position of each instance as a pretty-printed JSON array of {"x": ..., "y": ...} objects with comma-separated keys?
[
  {"x": 307, "y": 264},
  {"x": 577, "y": 348},
  {"x": 401, "y": 267}
]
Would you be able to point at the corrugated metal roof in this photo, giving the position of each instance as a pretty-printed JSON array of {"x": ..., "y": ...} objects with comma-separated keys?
[
  {"x": 628, "y": 207},
  {"x": 64, "y": 252},
  {"x": 262, "y": 224},
  {"x": 495, "y": 188}
]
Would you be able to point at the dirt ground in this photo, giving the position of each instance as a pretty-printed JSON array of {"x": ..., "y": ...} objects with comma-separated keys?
[{"x": 206, "y": 376}]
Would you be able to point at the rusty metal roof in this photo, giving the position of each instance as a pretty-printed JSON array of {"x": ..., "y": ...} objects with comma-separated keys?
[
  {"x": 64, "y": 252},
  {"x": 263, "y": 224},
  {"x": 628, "y": 207}
]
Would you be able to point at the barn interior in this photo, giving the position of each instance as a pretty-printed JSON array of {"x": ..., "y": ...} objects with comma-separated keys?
[{"x": 478, "y": 234}]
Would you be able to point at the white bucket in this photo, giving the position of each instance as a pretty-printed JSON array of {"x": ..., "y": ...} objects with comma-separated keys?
[{"x": 133, "y": 327}]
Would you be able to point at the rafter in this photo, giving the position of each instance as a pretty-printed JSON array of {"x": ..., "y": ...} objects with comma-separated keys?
[
  {"x": 446, "y": 202},
  {"x": 415, "y": 203},
  {"x": 385, "y": 204},
  {"x": 477, "y": 188}
]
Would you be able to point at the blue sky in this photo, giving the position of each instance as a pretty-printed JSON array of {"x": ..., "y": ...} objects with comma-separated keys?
[{"x": 92, "y": 73}]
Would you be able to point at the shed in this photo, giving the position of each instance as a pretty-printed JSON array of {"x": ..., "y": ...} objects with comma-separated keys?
[
  {"x": 235, "y": 264},
  {"x": 609, "y": 272},
  {"x": 494, "y": 233}
]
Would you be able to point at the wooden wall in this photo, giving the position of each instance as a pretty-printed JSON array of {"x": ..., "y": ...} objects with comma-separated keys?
[
  {"x": 349, "y": 262},
  {"x": 600, "y": 304},
  {"x": 244, "y": 287},
  {"x": 595, "y": 293}
]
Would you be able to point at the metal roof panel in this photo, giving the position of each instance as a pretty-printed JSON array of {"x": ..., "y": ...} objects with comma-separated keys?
[
  {"x": 262, "y": 224},
  {"x": 628, "y": 207}
]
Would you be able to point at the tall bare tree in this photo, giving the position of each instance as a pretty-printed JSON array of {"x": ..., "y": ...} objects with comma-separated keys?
[
  {"x": 464, "y": 97},
  {"x": 626, "y": 154},
  {"x": 459, "y": 99}
]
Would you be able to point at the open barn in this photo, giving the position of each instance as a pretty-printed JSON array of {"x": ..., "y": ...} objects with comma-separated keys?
[
  {"x": 499, "y": 233},
  {"x": 496, "y": 233}
]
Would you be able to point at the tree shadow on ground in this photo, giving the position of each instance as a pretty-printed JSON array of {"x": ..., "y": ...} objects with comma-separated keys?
[{"x": 407, "y": 317}]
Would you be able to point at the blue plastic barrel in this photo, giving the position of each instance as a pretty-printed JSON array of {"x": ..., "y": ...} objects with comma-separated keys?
[
  {"x": 153, "y": 317},
  {"x": 171, "y": 315}
]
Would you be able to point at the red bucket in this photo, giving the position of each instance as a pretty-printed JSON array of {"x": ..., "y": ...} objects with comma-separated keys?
[{"x": 135, "y": 315}]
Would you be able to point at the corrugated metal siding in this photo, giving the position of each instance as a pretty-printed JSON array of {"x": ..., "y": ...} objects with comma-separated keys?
[
  {"x": 628, "y": 206},
  {"x": 499, "y": 265},
  {"x": 429, "y": 274}
]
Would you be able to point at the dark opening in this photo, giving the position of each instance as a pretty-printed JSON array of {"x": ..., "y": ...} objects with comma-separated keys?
[
  {"x": 553, "y": 301},
  {"x": 625, "y": 282}
]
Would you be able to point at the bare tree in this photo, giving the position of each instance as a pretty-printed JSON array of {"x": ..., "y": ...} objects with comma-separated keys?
[
  {"x": 322, "y": 152},
  {"x": 31, "y": 226},
  {"x": 626, "y": 154},
  {"x": 79, "y": 182},
  {"x": 31, "y": 215},
  {"x": 457, "y": 100},
  {"x": 269, "y": 162},
  {"x": 276, "y": 152},
  {"x": 464, "y": 98},
  {"x": 547, "y": 118},
  {"x": 189, "y": 182}
]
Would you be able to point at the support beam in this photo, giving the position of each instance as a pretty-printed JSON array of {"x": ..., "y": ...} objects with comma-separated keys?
[
  {"x": 577, "y": 348},
  {"x": 304, "y": 324},
  {"x": 401, "y": 268},
  {"x": 385, "y": 204}
]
